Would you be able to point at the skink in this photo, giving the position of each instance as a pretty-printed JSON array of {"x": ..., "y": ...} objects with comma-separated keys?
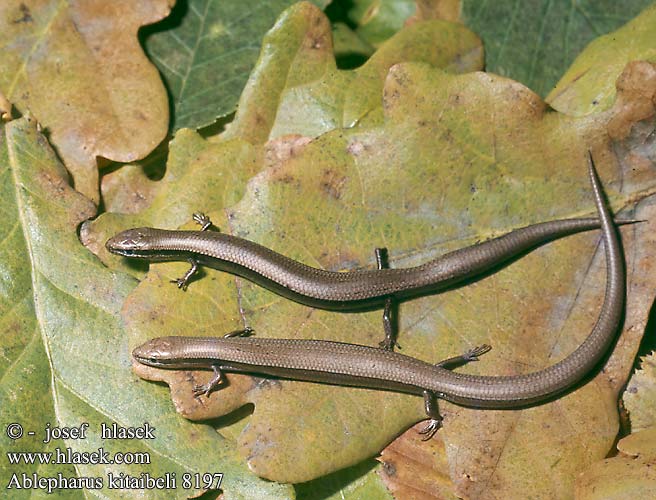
[
  {"x": 353, "y": 290},
  {"x": 330, "y": 289},
  {"x": 357, "y": 365}
]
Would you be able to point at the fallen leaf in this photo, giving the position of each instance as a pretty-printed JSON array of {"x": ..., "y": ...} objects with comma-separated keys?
[
  {"x": 416, "y": 469},
  {"x": 631, "y": 474},
  {"x": 77, "y": 68},
  {"x": 640, "y": 395},
  {"x": 363, "y": 180},
  {"x": 440, "y": 162},
  {"x": 269, "y": 99},
  {"x": 531, "y": 42}
]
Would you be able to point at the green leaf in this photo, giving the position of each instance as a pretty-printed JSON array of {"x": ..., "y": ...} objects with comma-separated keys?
[
  {"x": 351, "y": 51},
  {"x": 378, "y": 20},
  {"x": 535, "y": 41},
  {"x": 284, "y": 97},
  {"x": 33, "y": 185},
  {"x": 205, "y": 52},
  {"x": 589, "y": 84},
  {"x": 67, "y": 356}
]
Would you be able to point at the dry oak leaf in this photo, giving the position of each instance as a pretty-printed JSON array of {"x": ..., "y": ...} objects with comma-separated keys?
[
  {"x": 640, "y": 395},
  {"x": 78, "y": 68},
  {"x": 631, "y": 474},
  {"x": 296, "y": 89}
]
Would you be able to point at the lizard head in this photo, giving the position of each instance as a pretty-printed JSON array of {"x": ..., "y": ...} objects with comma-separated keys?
[{"x": 133, "y": 242}]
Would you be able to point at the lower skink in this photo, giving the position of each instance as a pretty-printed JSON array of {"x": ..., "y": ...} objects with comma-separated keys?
[{"x": 357, "y": 365}]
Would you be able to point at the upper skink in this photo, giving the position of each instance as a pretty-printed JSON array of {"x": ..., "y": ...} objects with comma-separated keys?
[{"x": 335, "y": 290}]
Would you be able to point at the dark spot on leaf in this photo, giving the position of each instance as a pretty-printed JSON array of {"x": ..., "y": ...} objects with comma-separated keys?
[
  {"x": 332, "y": 183},
  {"x": 389, "y": 468},
  {"x": 26, "y": 16},
  {"x": 54, "y": 185},
  {"x": 41, "y": 140},
  {"x": 269, "y": 383},
  {"x": 287, "y": 179},
  {"x": 447, "y": 136}
]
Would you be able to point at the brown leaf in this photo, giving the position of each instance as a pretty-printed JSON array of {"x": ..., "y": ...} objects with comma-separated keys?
[
  {"x": 632, "y": 474},
  {"x": 636, "y": 99},
  {"x": 416, "y": 469},
  {"x": 78, "y": 68},
  {"x": 447, "y": 10},
  {"x": 640, "y": 395}
]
